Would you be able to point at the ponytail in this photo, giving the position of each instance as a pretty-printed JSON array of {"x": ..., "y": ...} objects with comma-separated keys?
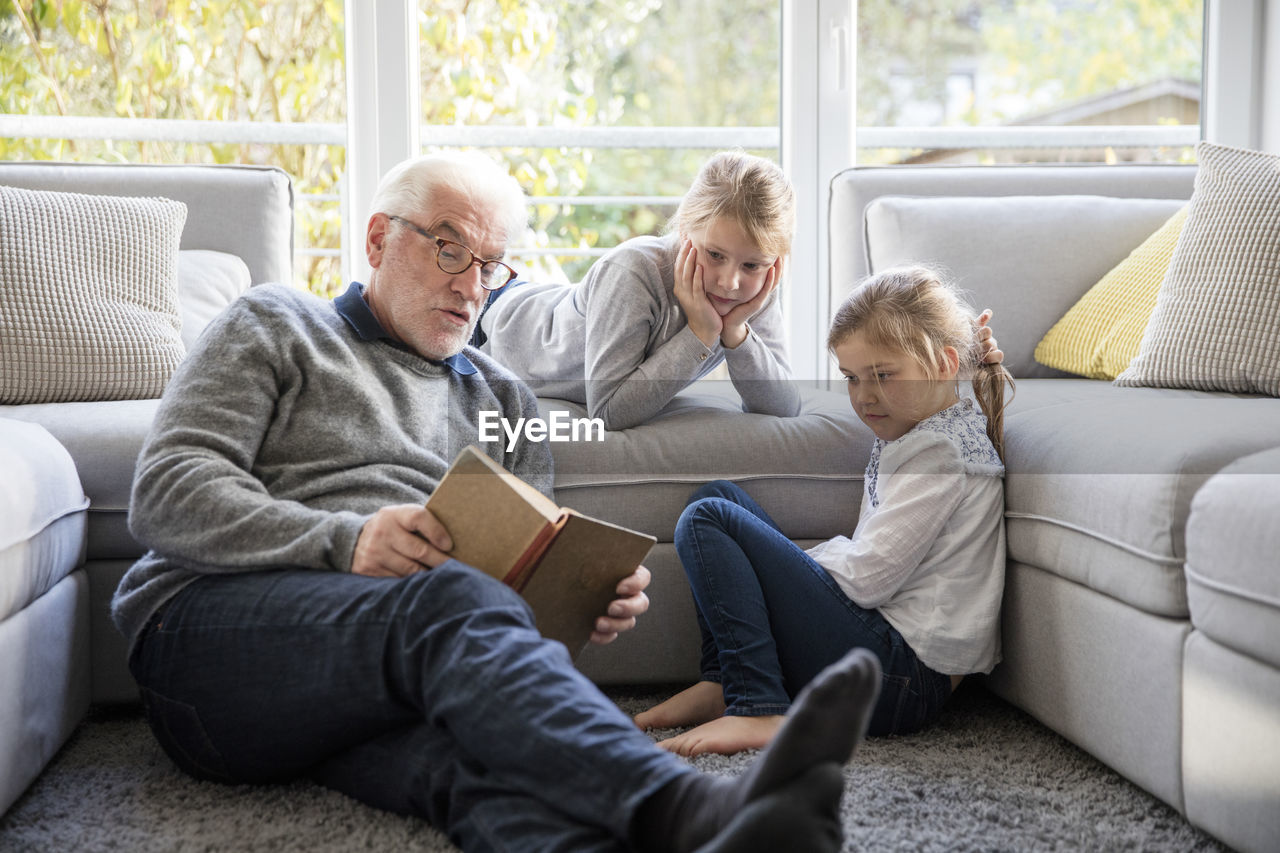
[{"x": 988, "y": 389}]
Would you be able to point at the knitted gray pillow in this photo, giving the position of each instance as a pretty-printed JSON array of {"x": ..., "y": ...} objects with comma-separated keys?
[
  {"x": 88, "y": 296},
  {"x": 1216, "y": 324}
]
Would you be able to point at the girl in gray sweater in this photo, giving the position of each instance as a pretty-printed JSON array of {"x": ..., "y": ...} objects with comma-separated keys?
[{"x": 657, "y": 313}]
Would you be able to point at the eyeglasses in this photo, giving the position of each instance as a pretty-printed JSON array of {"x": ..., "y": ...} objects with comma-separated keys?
[{"x": 454, "y": 258}]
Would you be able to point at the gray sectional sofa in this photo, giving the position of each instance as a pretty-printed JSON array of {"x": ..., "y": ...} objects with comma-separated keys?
[
  {"x": 1142, "y": 608},
  {"x": 1129, "y": 627},
  {"x": 58, "y": 569}
]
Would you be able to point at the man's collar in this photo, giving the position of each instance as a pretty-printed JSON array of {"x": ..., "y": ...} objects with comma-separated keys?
[{"x": 353, "y": 308}]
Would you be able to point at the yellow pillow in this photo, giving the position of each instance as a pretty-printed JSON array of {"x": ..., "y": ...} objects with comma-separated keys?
[{"x": 1101, "y": 333}]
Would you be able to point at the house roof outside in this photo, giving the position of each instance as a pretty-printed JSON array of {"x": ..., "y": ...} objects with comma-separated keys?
[{"x": 1162, "y": 101}]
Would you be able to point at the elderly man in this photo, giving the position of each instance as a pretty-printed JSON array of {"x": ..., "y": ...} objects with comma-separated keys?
[{"x": 298, "y": 614}]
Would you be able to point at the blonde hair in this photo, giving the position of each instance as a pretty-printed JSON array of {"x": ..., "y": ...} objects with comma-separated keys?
[
  {"x": 749, "y": 190},
  {"x": 916, "y": 311},
  {"x": 410, "y": 187}
]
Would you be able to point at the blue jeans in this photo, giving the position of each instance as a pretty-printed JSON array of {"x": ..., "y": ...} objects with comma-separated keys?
[
  {"x": 771, "y": 618},
  {"x": 431, "y": 695}
]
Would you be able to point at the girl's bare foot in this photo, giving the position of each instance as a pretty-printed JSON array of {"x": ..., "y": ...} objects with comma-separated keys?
[
  {"x": 700, "y": 703},
  {"x": 797, "y": 778},
  {"x": 725, "y": 735}
]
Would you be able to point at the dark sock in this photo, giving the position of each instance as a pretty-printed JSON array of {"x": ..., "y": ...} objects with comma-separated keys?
[
  {"x": 826, "y": 722},
  {"x": 824, "y": 726},
  {"x": 803, "y": 815}
]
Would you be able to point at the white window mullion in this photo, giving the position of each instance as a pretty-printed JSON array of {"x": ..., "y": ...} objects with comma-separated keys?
[
  {"x": 818, "y": 59},
  {"x": 1270, "y": 100},
  {"x": 383, "y": 110},
  {"x": 1232, "y": 111}
]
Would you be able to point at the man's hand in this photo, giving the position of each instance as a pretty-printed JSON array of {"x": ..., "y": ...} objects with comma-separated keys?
[
  {"x": 400, "y": 540},
  {"x": 624, "y": 609},
  {"x": 991, "y": 353}
]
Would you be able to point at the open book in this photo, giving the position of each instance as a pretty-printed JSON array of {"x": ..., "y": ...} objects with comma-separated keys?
[{"x": 566, "y": 565}]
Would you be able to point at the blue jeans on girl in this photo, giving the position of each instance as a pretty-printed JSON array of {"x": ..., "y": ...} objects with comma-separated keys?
[{"x": 771, "y": 618}]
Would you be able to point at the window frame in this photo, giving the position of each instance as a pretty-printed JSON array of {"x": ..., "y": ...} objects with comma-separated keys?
[{"x": 816, "y": 139}]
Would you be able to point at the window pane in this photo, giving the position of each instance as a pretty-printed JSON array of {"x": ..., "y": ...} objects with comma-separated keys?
[
  {"x": 557, "y": 65},
  {"x": 224, "y": 62},
  {"x": 1130, "y": 68}
]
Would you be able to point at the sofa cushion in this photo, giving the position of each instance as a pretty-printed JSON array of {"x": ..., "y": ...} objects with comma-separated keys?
[
  {"x": 238, "y": 208},
  {"x": 1216, "y": 324},
  {"x": 208, "y": 282},
  {"x": 44, "y": 688},
  {"x": 805, "y": 471},
  {"x": 1030, "y": 258},
  {"x": 857, "y": 186},
  {"x": 104, "y": 439},
  {"x": 1101, "y": 333},
  {"x": 1100, "y": 479},
  {"x": 639, "y": 477},
  {"x": 42, "y": 515},
  {"x": 1232, "y": 546},
  {"x": 88, "y": 295},
  {"x": 1231, "y": 745}
]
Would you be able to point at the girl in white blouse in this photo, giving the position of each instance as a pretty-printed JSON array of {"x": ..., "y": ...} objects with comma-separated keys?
[{"x": 919, "y": 581}]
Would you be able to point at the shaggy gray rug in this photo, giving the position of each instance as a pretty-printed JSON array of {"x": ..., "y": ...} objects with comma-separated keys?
[{"x": 987, "y": 777}]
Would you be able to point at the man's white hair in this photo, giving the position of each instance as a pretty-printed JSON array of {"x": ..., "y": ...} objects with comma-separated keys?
[{"x": 410, "y": 186}]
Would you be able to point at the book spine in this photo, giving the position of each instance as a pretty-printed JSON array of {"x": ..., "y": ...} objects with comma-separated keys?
[{"x": 524, "y": 567}]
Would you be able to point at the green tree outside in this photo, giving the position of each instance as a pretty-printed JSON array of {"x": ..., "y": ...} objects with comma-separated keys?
[
  {"x": 611, "y": 63},
  {"x": 224, "y": 60},
  {"x": 639, "y": 63},
  {"x": 1037, "y": 54}
]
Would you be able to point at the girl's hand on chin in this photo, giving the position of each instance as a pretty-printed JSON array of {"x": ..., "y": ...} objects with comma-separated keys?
[
  {"x": 704, "y": 320},
  {"x": 735, "y": 322}
]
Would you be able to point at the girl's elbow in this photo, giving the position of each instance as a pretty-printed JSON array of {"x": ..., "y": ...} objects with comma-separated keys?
[
  {"x": 783, "y": 399},
  {"x": 613, "y": 417},
  {"x": 795, "y": 404}
]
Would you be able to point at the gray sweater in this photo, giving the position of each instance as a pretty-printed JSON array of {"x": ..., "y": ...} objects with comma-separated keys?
[
  {"x": 620, "y": 343},
  {"x": 285, "y": 429}
]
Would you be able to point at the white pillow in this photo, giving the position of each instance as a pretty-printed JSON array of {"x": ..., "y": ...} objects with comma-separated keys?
[
  {"x": 208, "y": 282},
  {"x": 88, "y": 296},
  {"x": 1216, "y": 325}
]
